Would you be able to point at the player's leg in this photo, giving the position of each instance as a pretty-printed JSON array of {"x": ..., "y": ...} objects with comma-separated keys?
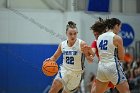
[
  {"x": 74, "y": 80},
  {"x": 123, "y": 87},
  {"x": 93, "y": 88},
  {"x": 101, "y": 86},
  {"x": 64, "y": 91},
  {"x": 102, "y": 80},
  {"x": 56, "y": 86}
]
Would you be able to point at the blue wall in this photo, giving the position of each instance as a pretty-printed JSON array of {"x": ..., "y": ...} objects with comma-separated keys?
[
  {"x": 99, "y": 5},
  {"x": 20, "y": 67}
]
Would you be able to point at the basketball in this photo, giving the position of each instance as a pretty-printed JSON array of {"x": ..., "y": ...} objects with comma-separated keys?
[{"x": 50, "y": 68}]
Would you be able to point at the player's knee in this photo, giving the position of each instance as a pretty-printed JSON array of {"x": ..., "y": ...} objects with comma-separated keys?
[
  {"x": 123, "y": 88},
  {"x": 127, "y": 89},
  {"x": 56, "y": 86},
  {"x": 51, "y": 91},
  {"x": 93, "y": 91},
  {"x": 54, "y": 90}
]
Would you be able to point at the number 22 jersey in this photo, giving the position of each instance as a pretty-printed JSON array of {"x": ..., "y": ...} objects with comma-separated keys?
[{"x": 72, "y": 56}]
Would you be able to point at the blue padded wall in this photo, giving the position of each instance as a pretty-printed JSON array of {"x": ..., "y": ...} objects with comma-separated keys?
[{"x": 20, "y": 67}]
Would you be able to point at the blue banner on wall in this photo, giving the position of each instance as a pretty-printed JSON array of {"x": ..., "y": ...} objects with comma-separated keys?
[
  {"x": 127, "y": 33},
  {"x": 20, "y": 68},
  {"x": 98, "y": 5}
]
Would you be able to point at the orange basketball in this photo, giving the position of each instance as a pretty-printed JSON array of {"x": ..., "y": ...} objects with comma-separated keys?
[{"x": 50, "y": 68}]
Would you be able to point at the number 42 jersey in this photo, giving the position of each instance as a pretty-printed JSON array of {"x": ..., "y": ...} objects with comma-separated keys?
[
  {"x": 106, "y": 48},
  {"x": 73, "y": 58}
]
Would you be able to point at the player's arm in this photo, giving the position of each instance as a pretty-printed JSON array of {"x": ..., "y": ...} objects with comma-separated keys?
[
  {"x": 57, "y": 53},
  {"x": 91, "y": 51},
  {"x": 94, "y": 47},
  {"x": 94, "y": 51},
  {"x": 118, "y": 42},
  {"x": 87, "y": 52}
]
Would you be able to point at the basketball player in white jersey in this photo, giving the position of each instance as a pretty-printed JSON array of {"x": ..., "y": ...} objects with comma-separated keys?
[
  {"x": 111, "y": 53},
  {"x": 98, "y": 28},
  {"x": 70, "y": 73}
]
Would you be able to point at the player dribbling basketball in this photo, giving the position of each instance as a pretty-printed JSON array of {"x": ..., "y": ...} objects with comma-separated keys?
[{"x": 71, "y": 71}]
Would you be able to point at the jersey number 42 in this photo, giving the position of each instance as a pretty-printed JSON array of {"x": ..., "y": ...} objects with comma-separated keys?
[{"x": 103, "y": 44}]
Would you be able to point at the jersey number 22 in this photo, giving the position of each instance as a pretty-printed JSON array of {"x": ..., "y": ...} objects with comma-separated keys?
[{"x": 70, "y": 60}]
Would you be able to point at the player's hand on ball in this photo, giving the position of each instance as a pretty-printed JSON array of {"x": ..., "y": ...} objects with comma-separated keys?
[{"x": 48, "y": 59}]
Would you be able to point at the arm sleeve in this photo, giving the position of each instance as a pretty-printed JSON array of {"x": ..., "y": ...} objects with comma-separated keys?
[{"x": 93, "y": 45}]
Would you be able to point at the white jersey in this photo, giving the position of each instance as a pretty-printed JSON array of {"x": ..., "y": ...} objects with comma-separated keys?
[
  {"x": 72, "y": 56},
  {"x": 106, "y": 48},
  {"x": 109, "y": 68}
]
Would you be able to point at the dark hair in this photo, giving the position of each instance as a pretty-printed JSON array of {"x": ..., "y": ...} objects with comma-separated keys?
[
  {"x": 110, "y": 23},
  {"x": 99, "y": 26},
  {"x": 70, "y": 24}
]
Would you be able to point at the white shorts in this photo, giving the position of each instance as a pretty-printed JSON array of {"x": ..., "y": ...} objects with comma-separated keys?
[
  {"x": 110, "y": 71},
  {"x": 70, "y": 79}
]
